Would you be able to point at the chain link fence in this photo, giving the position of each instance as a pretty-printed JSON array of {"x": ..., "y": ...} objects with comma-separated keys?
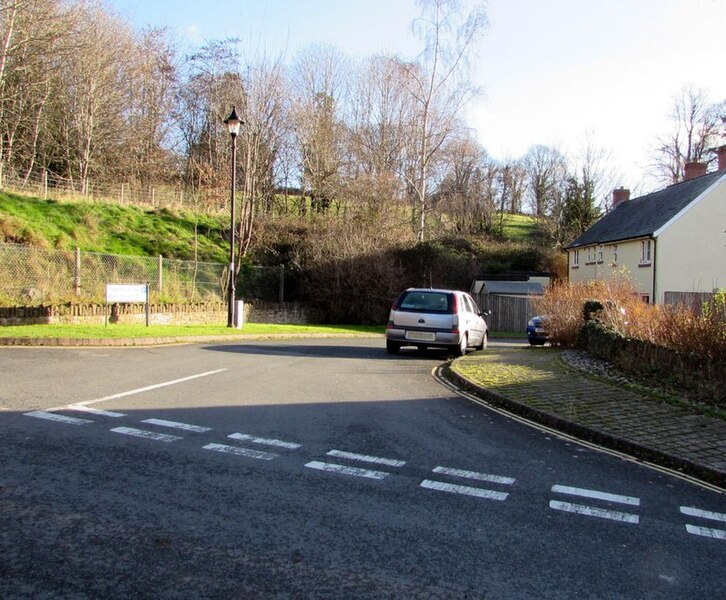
[{"x": 31, "y": 275}]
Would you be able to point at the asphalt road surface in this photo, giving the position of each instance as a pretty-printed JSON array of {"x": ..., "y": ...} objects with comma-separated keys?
[{"x": 318, "y": 469}]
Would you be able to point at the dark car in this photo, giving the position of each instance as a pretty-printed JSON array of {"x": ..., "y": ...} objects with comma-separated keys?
[{"x": 537, "y": 331}]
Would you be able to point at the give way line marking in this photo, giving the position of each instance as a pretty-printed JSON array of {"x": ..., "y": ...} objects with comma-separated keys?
[
  {"x": 593, "y": 511},
  {"x": 135, "y": 391},
  {"x": 709, "y": 532}
]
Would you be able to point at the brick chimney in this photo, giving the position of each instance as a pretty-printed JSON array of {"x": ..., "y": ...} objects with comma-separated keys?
[
  {"x": 721, "y": 153},
  {"x": 620, "y": 195},
  {"x": 692, "y": 170}
]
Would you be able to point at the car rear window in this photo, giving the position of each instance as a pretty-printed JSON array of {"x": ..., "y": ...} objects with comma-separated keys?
[{"x": 432, "y": 302}]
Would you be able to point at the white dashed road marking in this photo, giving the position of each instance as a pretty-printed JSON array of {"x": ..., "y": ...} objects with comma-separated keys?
[
  {"x": 475, "y": 475},
  {"x": 149, "y": 435},
  {"x": 593, "y": 511},
  {"x": 463, "y": 489},
  {"x": 264, "y": 441},
  {"x": 237, "y": 451},
  {"x": 703, "y": 514},
  {"x": 708, "y": 532},
  {"x": 39, "y": 414},
  {"x": 176, "y": 425},
  {"x": 344, "y": 470},
  {"x": 389, "y": 462},
  {"x": 573, "y": 491},
  {"x": 96, "y": 411}
]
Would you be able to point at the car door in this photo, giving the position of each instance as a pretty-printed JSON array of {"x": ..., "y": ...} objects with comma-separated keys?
[{"x": 475, "y": 323}]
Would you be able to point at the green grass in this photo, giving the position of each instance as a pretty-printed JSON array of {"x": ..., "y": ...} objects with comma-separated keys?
[
  {"x": 519, "y": 228},
  {"x": 112, "y": 228},
  {"x": 141, "y": 331}
]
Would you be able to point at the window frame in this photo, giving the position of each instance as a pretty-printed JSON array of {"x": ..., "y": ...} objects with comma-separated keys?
[{"x": 646, "y": 253}]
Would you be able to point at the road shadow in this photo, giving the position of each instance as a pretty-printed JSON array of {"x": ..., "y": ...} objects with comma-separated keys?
[{"x": 329, "y": 351}]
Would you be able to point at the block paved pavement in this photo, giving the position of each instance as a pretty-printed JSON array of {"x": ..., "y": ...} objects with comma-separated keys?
[{"x": 537, "y": 384}]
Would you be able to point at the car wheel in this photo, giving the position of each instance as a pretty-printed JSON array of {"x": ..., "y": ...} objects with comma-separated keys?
[
  {"x": 484, "y": 342},
  {"x": 392, "y": 347}
]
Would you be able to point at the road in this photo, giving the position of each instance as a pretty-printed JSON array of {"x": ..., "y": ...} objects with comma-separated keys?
[{"x": 318, "y": 469}]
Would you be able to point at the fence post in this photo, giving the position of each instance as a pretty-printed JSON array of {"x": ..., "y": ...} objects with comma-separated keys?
[
  {"x": 77, "y": 277},
  {"x": 45, "y": 183},
  {"x": 282, "y": 283},
  {"x": 122, "y": 193},
  {"x": 160, "y": 280}
]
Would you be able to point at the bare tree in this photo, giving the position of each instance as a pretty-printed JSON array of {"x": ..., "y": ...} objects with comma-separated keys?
[
  {"x": 264, "y": 113},
  {"x": 95, "y": 91},
  {"x": 319, "y": 84},
  {"x": 378, "y": 124},
  {"x": 512, "y": 181},
  {"x": 212, "y": 86},
  {"x": 697, "y": 127},
  {"x": 546, "y": 169},
  {"x": 149, "y": 115},
  {"x": 35, "y": 40},
  {"x": 467, "y": 189},
  {"x": 440, "y": 87},
  {"x": 593, "y": 169}
]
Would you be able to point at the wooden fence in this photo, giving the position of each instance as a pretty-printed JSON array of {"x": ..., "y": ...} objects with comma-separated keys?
[
  {"x": 693, "y": 300},
  {"x": 509, "y": 313}
]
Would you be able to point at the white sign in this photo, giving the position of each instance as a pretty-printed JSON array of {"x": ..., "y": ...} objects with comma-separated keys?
[{"x": 126, "y": 292}]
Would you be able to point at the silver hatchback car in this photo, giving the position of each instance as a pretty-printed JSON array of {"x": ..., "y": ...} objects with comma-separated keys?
[{"x": 436, "y": 318}]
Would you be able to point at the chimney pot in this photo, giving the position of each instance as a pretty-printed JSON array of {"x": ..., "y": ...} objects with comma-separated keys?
[
  {"x": 721, "y": 153},
  {"x": 693, "y": 169},
  {"x": 620, "y": 195}
]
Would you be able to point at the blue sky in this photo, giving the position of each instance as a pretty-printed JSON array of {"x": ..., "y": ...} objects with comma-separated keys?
[{"x": 554, "y": 71}]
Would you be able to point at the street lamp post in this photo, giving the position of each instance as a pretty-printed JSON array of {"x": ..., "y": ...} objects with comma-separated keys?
[{"x": 233, "y": 123}]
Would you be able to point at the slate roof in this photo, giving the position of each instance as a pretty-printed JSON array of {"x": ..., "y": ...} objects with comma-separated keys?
[
  {"x": 643, "y": 216},
  {"x": 513, "y": 288}
]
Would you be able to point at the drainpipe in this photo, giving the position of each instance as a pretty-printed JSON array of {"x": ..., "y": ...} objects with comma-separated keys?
[{"x": 655, "y": 245}]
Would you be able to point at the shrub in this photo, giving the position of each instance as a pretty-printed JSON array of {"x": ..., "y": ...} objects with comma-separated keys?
[{"x": 617, "y": 306}]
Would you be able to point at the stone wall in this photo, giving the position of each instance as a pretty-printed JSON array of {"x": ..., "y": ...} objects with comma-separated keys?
[
  {"x": 207, "y": 313},
  {"x": 699, "y": 378}
]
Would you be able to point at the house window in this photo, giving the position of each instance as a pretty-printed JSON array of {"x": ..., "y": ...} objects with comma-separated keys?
[
  {"x": 590, "y": 255},
  {"x": 600, "y": 252},
  {"x": 575, "y": 259},
  {"x": 645, "y": 298},
  {"x": 615, "y": 254},
  {"x": 645, "y": 250}
]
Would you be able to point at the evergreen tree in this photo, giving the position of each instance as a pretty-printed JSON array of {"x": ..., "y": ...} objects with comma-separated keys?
[{"x": 579, "y": 210}]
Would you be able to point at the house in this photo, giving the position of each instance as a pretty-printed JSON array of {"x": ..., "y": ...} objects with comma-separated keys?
[{"x": 672, "y": 240}]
